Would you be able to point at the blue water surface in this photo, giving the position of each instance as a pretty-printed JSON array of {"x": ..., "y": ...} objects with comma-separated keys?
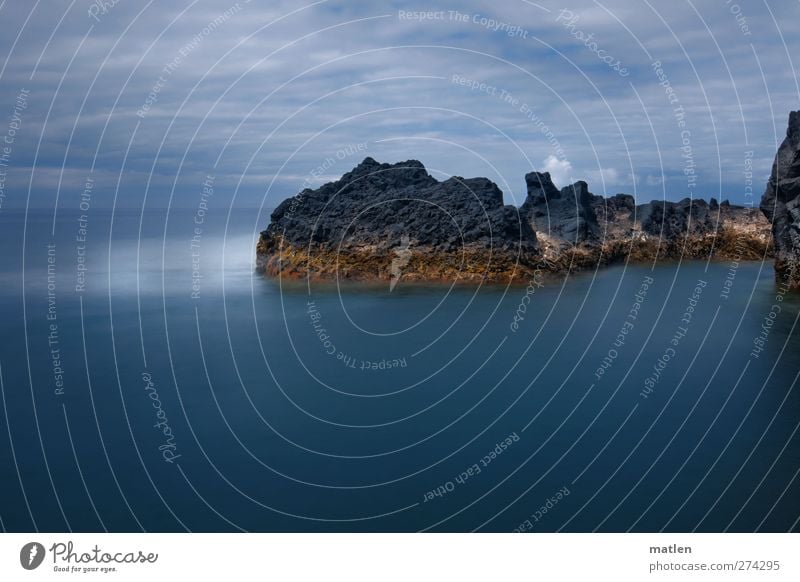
[{"x": 168, "y": 388}]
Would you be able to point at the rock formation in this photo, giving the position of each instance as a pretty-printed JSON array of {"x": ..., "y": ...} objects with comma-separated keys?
[
  {"x": 781, "y": 205},
  {"x": 355, "y": 227},
  {"x": 392, "y": 221},
  {"x": 577, "y": 229}
]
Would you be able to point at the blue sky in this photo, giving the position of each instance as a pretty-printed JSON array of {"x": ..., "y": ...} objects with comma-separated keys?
[{"x": 148, "y": 99}]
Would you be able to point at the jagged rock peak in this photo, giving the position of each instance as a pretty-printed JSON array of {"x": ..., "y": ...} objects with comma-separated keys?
[
  {"x": 541, "y": 186},
  {"x": 565, "y": 214},
  {"x": 579, "y": 191}
]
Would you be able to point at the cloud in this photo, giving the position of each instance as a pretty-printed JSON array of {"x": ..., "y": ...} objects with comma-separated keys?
[
  {"x": 560, "y": 170},
  {"x": 260, "y": 97},
  {"x": 604, "y": 176}
]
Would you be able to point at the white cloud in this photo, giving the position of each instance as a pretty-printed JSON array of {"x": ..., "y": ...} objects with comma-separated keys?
[
  {"x": 604, "y": 176},
  {"x": 560, "y": 170}
]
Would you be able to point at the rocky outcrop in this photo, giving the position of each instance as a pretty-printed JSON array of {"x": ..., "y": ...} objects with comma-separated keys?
[
  {"x": 577, "y": 229},
  {"x": 380, "y": 215},
  {"x": 395, "y": 221},
  {"x": 781, "y": 205},
  {"x": 565, "y": 214}
]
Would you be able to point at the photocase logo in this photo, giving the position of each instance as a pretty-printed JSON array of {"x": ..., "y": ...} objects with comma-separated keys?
[
  {"x": 401, "y": 258},
  {"x": 31, "y": 555}
]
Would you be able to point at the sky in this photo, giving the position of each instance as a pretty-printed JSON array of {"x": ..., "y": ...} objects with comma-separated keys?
[{"x": 145, "y": 104}]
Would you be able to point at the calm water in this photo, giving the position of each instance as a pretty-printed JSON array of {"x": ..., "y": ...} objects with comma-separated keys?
[{"x": 138, "y": 406}]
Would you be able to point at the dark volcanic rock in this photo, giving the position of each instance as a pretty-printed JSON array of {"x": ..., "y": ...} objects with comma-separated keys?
[
  {"x": 577, "y": 229},
  {"x": 386, "y": 221},
  {"x": 696, "y": 229},
  {"x": 566, "y": 214},
  {"x": 675, "y": 220},
  {"x": 354, "y": 226},
  {"x": 781, "y": 204}
]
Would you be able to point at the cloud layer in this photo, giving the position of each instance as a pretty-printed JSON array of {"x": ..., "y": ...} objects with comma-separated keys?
[{"x": 150, "y": 99}]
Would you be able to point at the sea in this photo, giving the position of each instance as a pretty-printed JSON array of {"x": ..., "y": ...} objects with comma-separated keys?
[{"x": 153, "y": 381}]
